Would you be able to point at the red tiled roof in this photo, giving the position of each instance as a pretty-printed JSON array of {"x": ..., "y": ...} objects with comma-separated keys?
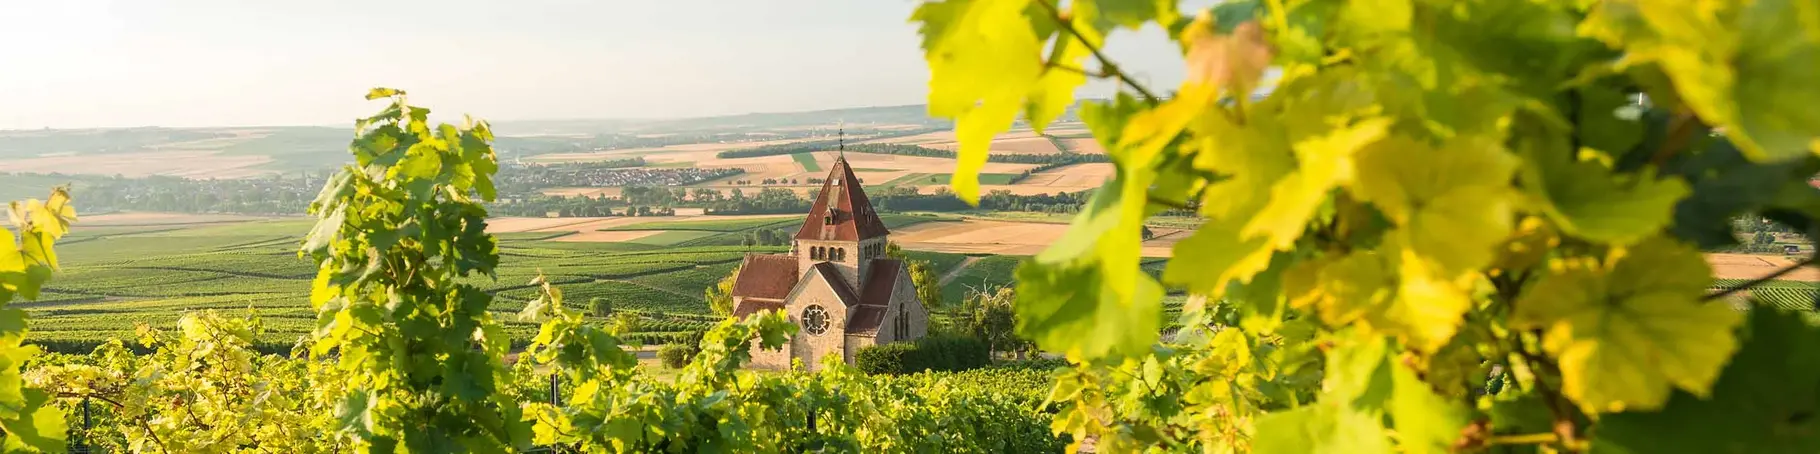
[
  {"x": 876, "y": 297},
  {"x": 832, "y": 275},
  {"x": 749, "y": 307},
  {"x": 854, "y": 218},
  {"x": 881, "y": 282},
  {"x": 866, "y": 319},
  {"x": 765, "y": 276}
]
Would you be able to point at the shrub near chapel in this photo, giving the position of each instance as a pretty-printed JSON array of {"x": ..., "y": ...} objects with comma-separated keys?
[{"x": 1422, "y": 193}]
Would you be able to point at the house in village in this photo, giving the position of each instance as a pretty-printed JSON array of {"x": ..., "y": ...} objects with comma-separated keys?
[{"x": 836, "y": 282}]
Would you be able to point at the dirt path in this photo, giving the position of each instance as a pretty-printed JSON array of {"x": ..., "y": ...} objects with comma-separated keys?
[{"x": 956, "y": 272}]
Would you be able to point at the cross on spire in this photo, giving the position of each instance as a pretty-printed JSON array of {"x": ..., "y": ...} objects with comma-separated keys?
[{"x": 841, "y": 139}]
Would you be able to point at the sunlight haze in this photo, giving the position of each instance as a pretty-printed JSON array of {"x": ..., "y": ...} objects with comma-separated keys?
[{"x": 86, "y": 63}]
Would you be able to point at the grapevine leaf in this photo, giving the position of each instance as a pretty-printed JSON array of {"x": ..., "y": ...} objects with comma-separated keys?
[
  {"x": 1628, "y": 331},
  {"x": 1730, "y": 64},
  {"x": 1231, "y": 61},
  {"x": 1763, "y": 402},
  {"x": 1133, "y": 14},
  {"x": 1590, "y": 201},
  {"x": 1449, "y": 202},
  {"x": 1069, "y": 308},
  {"x": 36, "y": 426},
  {"x": 1325, "y": 161},
  {"x": 1425, "y": 422},
  {"x": 53, "y": 217},
  {"x": 1214, "y": 256},
  {"x": 382, "y": 92},
  {"x": 984, "y": 58},
  {"x": 1054, "y": 90},
  {"x": 1341, "y": 291},
  {"x": 1602, "y": 125},
  {"x": 1320, "y": 429}
]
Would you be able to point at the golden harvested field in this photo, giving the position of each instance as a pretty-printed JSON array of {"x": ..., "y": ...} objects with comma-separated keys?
[
  {"x": 588, "y": 225},
  {"x": 522, "y": 224},
  {"x": 205, "y": 163},
  {"x": 1074, "y": 178},
  {"x": 1085, "y": 146},
  {"x": 976, "y": 236},
  {"x": 1032, "y": 145},
  {"x": 1752, "y": 266},
  {"x": 948, "y": 137},
  {"x": 152, "y": 218},
  {"x": 694, "y": 149},
  {"x": 590, "y": 192},
  {"x": 606, "y": 237}
]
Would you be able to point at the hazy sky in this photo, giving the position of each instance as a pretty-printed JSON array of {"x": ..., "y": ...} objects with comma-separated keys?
[{"x": 85, "y": 63}]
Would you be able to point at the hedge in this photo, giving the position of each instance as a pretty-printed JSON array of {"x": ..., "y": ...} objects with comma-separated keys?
[
  {"x": 675, "y": 356},
  {"x": 934, "y": 353}
]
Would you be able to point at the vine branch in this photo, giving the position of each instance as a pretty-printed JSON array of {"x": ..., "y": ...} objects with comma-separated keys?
[
  {"x": 1680, "y": 132},
  {"x": 1107, "y": 67}
]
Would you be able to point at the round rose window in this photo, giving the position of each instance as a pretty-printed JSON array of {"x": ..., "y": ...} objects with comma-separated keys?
[{"x": 815, "y": 320}]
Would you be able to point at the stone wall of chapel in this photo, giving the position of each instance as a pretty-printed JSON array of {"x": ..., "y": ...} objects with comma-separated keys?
[
  {"x": 810, "y": 347},
  {"x": 848, "y": 266},
  {"x": 904, "y": 304},
  {"x": 854, "y": 343}
]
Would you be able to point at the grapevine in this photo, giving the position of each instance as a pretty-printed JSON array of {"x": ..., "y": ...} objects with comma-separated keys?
[
  {"x": 1428, "y": 226},
  {"x": 26, "y": 262}
]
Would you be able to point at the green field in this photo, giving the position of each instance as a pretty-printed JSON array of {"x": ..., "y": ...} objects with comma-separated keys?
[
  {"x": 808, "y": 161},
  {"x": 1792, "y": 295},
  {"x": 988, "y": 272},
  {"x": 117, "y": 277}
]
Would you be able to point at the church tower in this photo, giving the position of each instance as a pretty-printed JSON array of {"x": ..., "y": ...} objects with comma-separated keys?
[{"x": 841, "y": 229}]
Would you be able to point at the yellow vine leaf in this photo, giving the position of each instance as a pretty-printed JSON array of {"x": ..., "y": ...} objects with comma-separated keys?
[
  {"x": 1730, "y": 61},
  {"x": 1451, "y": 203},
  {"x": 1325, "y": 161},
  {"x": 984, "y": 57},
  {"x": 1054, "y": 90},
  {"x": 1230, "y": 61},
  {"x": 1628, "y": 330}
]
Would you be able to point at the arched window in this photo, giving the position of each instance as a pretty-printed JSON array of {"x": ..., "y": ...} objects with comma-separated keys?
[
  {"x": 815, "y": 253},
  {"x": 840, "y": 254}
]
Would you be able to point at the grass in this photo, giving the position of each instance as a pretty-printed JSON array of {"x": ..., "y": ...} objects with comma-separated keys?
[
  {"x": 808, "y": 161},
  {"x": 988, "y": 272},
  {"x": 673, "y": 165}
]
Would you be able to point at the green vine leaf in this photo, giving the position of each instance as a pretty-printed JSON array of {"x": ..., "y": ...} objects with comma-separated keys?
[
  {"x": 1764, "y": 401},
  {"x": 1614, "y": 325}
]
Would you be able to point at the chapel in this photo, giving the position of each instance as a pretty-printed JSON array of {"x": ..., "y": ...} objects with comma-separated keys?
[{"x": 836, "y": 283}]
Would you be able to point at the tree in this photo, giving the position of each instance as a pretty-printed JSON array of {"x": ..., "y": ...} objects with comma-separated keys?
[
  {"x": 928, "y": 284},
  {"x": 720, "y": 296},
  {"x": 989, "y": 316},
  {"x": 601, "y": 307},
  {"x": 1422, "y": 193},
  {"x": 626, "y": 323}
]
